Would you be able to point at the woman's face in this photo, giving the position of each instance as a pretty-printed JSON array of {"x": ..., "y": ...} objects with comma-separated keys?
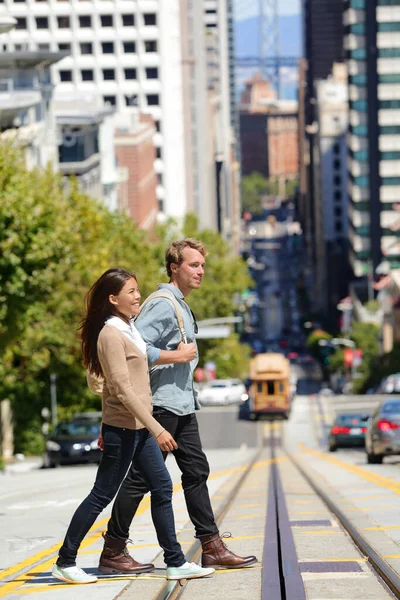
[{"x": 128, "y": 300}]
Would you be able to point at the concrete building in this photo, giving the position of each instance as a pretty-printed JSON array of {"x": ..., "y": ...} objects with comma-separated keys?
[
  {"x": 26, "y": 107},
  {"x": 127, "y": 55},
  {"x": 268, "y": 133},
  {"x": 372, "y": 52},
  {"x": 138, "y": 180},
  {"x": 330, "y": 192},
  {"x": 220, "y": 72},
  {"x": 323, "y": 34}
]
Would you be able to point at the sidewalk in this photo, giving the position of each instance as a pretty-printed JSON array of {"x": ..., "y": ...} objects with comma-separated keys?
[{"x": 24, "y": 465}]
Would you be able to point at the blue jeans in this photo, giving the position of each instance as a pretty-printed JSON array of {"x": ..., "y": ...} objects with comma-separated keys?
[{"x": 121, "y": 446}]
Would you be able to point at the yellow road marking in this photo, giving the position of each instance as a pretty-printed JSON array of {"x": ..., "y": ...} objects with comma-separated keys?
[
  {"x": 392, "y": 556},
  {"x": 383, "y": 528},
  {"x": 25, "y": 564},
  {"x": 322, "y": 532},
  {"x": 246, "y": 537},
  {"x": 360, "y": 471}
]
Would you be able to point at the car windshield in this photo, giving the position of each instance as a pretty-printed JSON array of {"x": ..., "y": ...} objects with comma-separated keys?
[
  {"x": 391, "y": 407},
  {"x": 351, "y": 419},
  {"x": 77, "y": 428}
]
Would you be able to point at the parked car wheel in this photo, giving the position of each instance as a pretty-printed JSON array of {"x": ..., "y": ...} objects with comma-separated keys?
[{"x": 374, "y": 459}]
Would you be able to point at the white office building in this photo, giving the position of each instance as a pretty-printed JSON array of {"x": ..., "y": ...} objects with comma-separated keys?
[{"x": 125, "y": 54}]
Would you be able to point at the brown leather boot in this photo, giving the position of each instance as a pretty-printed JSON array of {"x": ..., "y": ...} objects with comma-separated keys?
[
  {"x": 216, "y": 554},
  {"x": 115, "y": 558}
]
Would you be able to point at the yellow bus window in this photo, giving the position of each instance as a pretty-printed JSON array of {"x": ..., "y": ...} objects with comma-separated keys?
[
  {"x": 259, "y": 387},
  {"x": 270, "y": 385}
]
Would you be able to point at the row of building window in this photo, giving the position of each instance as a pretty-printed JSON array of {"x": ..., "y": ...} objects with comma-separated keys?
[
  {"x": 362, "y": 105},
  {"x": 361, "y": 53},
  {"x": 152, "y": 100},
  {"x": 363, "y": 181},
  {"x": 385, "y": 27},
  {"x": 362, "y": 155},
  {"x": 85, "y": 21},
  {"x": 361, "y": 79},
  {"x": 108, "y": 74},
  {"x": 106, "y": 47},
  {"x": 64, "y": 22}
]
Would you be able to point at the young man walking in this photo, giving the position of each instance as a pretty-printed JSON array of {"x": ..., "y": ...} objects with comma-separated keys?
[{"x": 174, "y": 406}]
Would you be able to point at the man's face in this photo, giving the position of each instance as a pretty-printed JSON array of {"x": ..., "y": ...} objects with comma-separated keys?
[{"x": 189, "y": 274}]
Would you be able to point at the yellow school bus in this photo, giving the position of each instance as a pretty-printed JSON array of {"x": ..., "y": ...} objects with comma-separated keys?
[{"x": 269, "y": 391}]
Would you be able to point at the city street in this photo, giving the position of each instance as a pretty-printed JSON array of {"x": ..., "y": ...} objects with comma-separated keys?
[{"x": 36, "y": 506}]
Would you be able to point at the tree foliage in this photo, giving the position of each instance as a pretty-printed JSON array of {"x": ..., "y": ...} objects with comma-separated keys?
[{"x": 55, "y": 242}]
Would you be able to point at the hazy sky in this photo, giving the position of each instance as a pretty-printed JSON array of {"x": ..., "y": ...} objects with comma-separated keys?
[{"x": 249, "y": 8}]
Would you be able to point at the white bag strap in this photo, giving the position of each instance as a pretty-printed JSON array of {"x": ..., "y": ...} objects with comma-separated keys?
[{"x": 177, "y": 310}]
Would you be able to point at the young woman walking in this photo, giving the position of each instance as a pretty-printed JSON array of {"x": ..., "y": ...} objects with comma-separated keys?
[{"x": 113, "y": 348}]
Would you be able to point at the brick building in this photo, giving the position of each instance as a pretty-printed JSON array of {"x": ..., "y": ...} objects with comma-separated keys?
[{"x": 138, "y": 181}]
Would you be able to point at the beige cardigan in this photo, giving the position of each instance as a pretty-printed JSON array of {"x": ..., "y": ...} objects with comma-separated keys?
[{"x": 126, "y": 397}]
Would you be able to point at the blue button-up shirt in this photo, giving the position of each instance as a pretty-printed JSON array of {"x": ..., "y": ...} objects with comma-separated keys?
[{"x": 171, "y": 385}]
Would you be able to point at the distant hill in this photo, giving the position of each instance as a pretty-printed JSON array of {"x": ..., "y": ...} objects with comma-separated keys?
[{"x": 289, "y": 32}]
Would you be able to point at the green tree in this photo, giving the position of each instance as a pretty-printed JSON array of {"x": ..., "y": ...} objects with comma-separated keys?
[{"x": 253, "y": 187}]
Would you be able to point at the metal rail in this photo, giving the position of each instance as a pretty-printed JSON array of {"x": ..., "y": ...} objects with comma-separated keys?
[
  {"x": 173, "y": 590},
  {"x": 379, "y": 564},
  {"x": 282, "y": 579}
]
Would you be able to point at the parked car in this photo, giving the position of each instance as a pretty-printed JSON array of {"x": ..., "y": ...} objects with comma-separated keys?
[
  {"x": 390, "y": 385},
  {"x": 383, "y": 434},
  {"x": 348, "y": 431},
  {"x": 73, "y": 442},
  {"x": 222, "y": 392}
]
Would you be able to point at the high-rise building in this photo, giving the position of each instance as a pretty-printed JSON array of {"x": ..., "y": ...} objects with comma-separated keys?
[
  {"x": 330, "y": 191},
  {"x": 323, "y": 35},
  {"x": 373, "y": 51},
  {"x": 123, "y": 54}
]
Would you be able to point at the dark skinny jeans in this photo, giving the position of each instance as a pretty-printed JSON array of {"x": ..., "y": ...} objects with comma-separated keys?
[
  {"x": 195, "y": 471},
  {"x": 121, "y": 446}
]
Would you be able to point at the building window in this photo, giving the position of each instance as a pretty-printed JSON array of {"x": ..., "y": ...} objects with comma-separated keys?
[
  {"x": 337, "y": 180},
  {"x": 107, "y": 47},
  {"x": 336, "y": 148},
  {"x": 109, "y": 74},
  {"x": 150, "y": 19},
  {"x": 130, "y": 73},
  {"x": 360, "y": 130},
  {"x": 44, "y": 47},
  {"x": 64, "y": 47},
  {"x": 106, "y": 20},
  {"x": 150, "y": 46},
  {"x": 152, "y": 73},
  {"x": 87, "y": 75},
  {"x": 336, "y": 164},
  {"x": 358, "y": 54},
  {"x": 129, "y": 47},
  {"x": 128, "y": 20},
  {"x": 158, "y": 125},
  {"x": 131, "y": 100},
  {"x": 86, "y": 48},
  {"x": 63, "y": 22},
  {"x": 160, "y": 178},
  {"x": 389, "y": 104},
  {"x": 338, "y": 227},
  {"x": 338, "y": 212},
  {"x": 338, "y": 196},
  {"x": 111, "y": 100},
  {"x": 153, "y": 100},
  {"x": 158, "y": 153},
  {"x": 85, "y": 21},
  {"x": 21, "y": 23},
  {"x": 66, "y": 75},
  {"x": 42, "y": 23}
]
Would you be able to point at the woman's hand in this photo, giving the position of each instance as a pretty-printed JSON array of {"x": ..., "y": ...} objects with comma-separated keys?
[
  {"x": 188, "y": 351},
  {"x": 166, "y": 441},
  {"x": 100, "y": 442}
]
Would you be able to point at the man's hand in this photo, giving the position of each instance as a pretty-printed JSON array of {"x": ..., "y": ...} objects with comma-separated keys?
[
  {"x": 100, "y": 442},
  {"x": 188, "y": 351},
  {"x": 166, "y": 441}
]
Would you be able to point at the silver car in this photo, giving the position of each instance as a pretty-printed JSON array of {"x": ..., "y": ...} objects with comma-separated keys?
[{"x": 382, "y": 437}]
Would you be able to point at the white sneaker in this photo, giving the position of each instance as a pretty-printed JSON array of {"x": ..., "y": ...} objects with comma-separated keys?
[
  {"x": 72, "y": 574},
  {"x": 188, "y": 571}
]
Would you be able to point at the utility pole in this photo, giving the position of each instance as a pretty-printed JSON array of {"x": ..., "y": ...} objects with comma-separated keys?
[{"x": 53, "y": 397}]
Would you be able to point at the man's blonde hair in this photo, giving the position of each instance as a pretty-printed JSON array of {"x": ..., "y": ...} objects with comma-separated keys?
[{"x": 174, "y": 252}]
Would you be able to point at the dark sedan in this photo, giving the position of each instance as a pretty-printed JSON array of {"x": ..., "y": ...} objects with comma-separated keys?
[
  {"x": 348, "y": 431},
  {"x": 73, "y": 442}
]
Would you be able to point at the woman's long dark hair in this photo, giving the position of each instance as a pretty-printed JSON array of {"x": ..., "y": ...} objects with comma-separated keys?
[{"x": 98, "y": 310}]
